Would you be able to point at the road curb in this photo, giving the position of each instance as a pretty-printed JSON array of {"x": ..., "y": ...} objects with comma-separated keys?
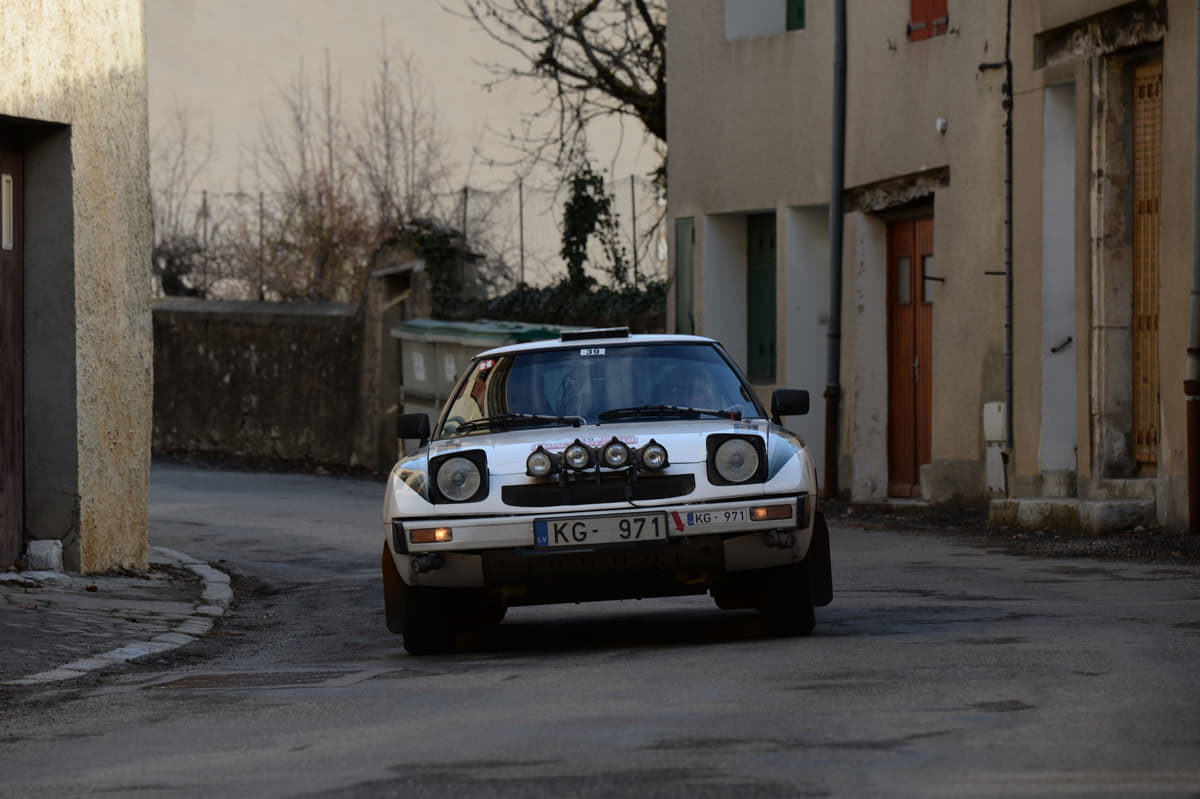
[{"x": 214, "y": 601}]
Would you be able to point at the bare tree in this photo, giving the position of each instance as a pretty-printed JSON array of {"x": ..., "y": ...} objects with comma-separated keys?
[
  {"x": 319, "y": 234},
  {"x": 399, "y": 146},
  {"x": 178, "y": 158},
  {"x": 597, "y": 58}
]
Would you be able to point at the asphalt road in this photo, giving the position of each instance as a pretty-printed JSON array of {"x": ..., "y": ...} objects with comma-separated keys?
[{"x": 940, "y": 669}]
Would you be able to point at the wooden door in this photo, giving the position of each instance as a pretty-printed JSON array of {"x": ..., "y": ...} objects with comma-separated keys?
[
  {"x": 910, "y": 347},
  {"x": 1147, "y": 183},
  {"x": 12, "y": 490}
]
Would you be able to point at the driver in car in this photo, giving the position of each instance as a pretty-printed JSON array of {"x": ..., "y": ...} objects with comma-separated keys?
[{"x": 689, "y": 388}]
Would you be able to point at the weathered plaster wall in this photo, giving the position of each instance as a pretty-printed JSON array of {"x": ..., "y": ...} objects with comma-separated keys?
[
  {"x": 258, "y": 381},
  {"x": 1103, "y": 230},
  {"x": 82, "y": 67},
  {"x": 1175, "y": 262},
  {"x": 751, "y": 131}
]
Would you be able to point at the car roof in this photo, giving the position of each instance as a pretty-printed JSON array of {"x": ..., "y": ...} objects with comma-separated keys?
[{"x": 596, "y": 338}]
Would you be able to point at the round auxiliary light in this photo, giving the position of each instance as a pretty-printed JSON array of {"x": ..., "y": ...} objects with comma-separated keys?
[
  {"x": 736, "y": 460},
  {"x": 615, "y": 454},
  {"x": 654, "y": 455},
  {"x": 577, "y": 456},
  {"x": 539, "y": 463},
  {"x": 458, "y": 479}
]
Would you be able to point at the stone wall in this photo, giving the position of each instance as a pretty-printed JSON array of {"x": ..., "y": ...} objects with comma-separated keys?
[{"x": 260, "y": 382}]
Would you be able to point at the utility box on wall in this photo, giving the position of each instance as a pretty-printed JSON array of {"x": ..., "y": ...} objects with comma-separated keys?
[{"x": 995, "y": 437}]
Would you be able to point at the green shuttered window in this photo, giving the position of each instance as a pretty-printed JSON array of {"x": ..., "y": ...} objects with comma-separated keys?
[
  {"x": 685, "y": 281},
  {"x": 795, "y": 15},
  {"x": 760, "y": 297}
]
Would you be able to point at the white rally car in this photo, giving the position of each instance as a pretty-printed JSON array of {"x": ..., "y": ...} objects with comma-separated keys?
[{"x": 602, "y": 465}]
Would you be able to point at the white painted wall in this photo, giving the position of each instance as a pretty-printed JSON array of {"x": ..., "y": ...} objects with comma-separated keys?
[
  {"x": 724, "y": 287},
  {"x": 804, "y": 318},
  {"x": 864, "y": 356},
  {"x": 1059, "y": 430}
]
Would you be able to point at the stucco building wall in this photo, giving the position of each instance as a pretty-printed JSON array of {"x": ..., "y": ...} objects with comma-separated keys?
[
  {"x": 1098, "y": 69},
  {"x": 73, "y": 94},
  {"x": 756, "y": 119},
  {"x": 750, "y": 120}
]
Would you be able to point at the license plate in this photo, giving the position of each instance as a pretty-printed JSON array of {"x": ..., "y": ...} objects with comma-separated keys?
[
  {"x": 594, "y": 530},
  {"x": 729, "y": 516}
]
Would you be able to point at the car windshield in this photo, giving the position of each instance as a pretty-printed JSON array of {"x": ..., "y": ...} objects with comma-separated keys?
[{"x": 590, "y": 384}]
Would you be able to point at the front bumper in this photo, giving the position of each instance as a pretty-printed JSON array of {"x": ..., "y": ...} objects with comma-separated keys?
[{"x": 703, "y": 539}]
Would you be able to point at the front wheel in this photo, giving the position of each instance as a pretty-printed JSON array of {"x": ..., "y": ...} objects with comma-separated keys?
[
  {"x": 429, "y": 626},
  {"x": 421, "y": 614}
]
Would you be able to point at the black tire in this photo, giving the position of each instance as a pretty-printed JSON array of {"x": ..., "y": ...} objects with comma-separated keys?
[
  {"x": 487, "y": 611},
  {"x": 785, "y": 603},
  {"x": 429, "y": 624},
  {"x": 421, "y": 614}
]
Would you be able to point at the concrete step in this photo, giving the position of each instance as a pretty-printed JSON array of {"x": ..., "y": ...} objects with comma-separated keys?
[
  {"x": 1071, "y": 515},
  {"x": 1143, "y": 489}
]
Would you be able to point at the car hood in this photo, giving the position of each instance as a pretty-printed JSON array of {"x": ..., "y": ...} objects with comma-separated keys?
[{"x": 684, "y": 440}]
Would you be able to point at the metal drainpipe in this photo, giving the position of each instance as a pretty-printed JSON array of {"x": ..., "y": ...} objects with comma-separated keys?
[
  {"x": 1191, "y": 383},
  {"x": 1008, "y": 232},
  {"x": 836, "y": 227},
  {"x": 1007, "y": 104}
]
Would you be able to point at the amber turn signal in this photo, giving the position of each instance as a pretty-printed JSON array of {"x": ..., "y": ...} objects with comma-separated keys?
[
  {"x": 771, "y": 512},
  {"x": 431, "y": 535}
]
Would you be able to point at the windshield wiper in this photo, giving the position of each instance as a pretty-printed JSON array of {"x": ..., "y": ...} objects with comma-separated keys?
[
  {"x": 642, "y": 411},
  {"x": 506, "y": 421}
]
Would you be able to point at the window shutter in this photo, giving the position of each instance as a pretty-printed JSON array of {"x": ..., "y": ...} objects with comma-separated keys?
[
  {"x": 760, "y": 297},
  {"x": 795, "y": 15},
  {"x": 685, "y": 280}
]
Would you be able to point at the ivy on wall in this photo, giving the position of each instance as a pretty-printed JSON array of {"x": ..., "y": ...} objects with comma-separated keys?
[{"x": 578, "y": 299}]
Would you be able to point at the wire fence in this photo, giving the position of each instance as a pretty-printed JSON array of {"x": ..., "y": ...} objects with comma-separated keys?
[
  {"x": 517, "y": 228},
  {"x": 521, "y": 227}
]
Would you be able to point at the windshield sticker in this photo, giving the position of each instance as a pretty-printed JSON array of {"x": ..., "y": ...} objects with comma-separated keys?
[
  {"x": 595, "y": 443},
  {"x": 588, "y": 352}
]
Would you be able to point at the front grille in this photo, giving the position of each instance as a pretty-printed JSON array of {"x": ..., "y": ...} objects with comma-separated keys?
[
  {"x": 674, "y": 568},
  {"x": 585, "y": 490}
]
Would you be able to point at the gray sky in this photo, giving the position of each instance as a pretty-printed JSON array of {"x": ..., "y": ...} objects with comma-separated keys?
[{"x": 223, "y": 61}]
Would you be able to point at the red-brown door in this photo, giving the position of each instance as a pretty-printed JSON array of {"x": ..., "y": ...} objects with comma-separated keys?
[
  {"x": 910, "y": 346},
  {"x": 12, "y": 491}
]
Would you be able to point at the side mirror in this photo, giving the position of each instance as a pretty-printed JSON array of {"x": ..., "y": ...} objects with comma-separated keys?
[
  {"x": 788, "y": 402},
  {"x": 413, "y": 425}
]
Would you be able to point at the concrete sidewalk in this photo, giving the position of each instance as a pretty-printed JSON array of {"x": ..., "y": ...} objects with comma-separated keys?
[{"x": 56, "y": 626}]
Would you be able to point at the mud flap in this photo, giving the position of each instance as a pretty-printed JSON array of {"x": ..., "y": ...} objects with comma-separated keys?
[
  {"x": 391, "y": 592},
  {"x": 817, "y": 567}
]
